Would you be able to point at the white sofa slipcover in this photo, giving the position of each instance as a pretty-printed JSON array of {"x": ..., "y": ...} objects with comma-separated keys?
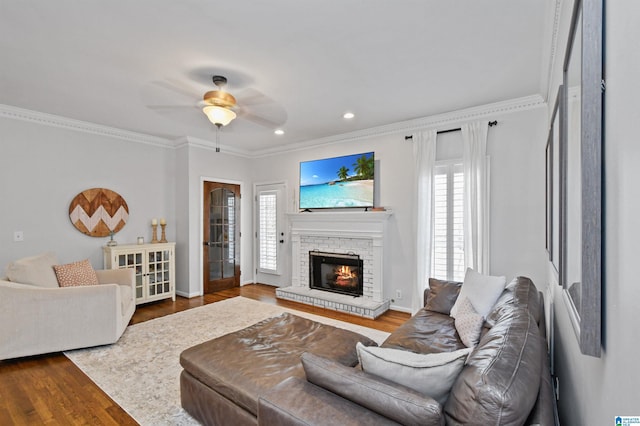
[{"x": 36, "y": 320}]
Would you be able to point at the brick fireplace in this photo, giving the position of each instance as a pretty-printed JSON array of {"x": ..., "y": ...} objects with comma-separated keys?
[{"x": 359, "y": 234}]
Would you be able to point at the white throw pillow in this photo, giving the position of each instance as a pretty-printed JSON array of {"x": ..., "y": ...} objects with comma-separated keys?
[
  {"x": 468, "y": 324},
  {"x": 430, "y": 374},
  {"x": 481, "y": 290},
  {"x": 35, "y": 270}
]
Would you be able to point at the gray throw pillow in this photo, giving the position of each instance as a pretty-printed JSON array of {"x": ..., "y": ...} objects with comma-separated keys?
[
  {"x": 442, "y": 295},
  {"x": 430, "y": 374},
  {"x": 396, "y": 402}
]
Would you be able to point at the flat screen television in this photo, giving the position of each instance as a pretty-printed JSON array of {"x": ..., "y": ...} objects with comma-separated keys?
[{"x": 338, "y": 182}]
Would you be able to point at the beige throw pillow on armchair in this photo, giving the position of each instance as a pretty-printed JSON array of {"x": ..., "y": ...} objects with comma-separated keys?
[{"x": 35, "y": 270}]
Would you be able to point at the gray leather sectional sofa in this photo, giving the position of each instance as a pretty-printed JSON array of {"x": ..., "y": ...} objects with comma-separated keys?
[{"x": 505, "y": 380}]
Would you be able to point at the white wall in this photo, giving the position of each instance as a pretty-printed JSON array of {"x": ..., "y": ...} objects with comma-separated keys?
[
  {"x": 517, "y": 196},
  {"x": 42, "y": 168},
  {"x": 595, "y": 390}
]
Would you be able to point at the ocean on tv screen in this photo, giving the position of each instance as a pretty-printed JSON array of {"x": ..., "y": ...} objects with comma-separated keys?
[{"x": 357, "y": 193}]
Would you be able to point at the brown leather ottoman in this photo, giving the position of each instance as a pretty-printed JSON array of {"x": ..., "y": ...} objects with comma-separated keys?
[{"x": 223, "y": 378}]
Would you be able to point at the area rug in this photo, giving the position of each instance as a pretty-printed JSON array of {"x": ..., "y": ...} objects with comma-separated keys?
[{"x": 141, "y": 371}]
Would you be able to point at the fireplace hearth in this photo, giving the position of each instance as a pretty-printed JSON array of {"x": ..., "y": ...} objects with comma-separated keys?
[{"x": 336, "y": 272}]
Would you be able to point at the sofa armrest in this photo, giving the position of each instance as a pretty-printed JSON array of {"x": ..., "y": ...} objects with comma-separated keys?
[
  {"x": 391, "y": 400},
  {"x": 39, "y": 320},
  {"x": 296, "y": 402},
  {"x": 125, "y": 276}
]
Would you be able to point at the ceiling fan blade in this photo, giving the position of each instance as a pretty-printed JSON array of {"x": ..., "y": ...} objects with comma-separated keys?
[
  {"x": 168, "y": 107},
  {"x": 178, "y": 88},
  {"x": 252, "y": 96},
  {"x": 262, "y": 121}
]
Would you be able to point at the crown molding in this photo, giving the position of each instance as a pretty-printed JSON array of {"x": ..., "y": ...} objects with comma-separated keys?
[
  {"x": 435, "y": 121},
  {"x": 15, "y": 113},
  {"x": 553, "y": 51},
  {"x": 191, "y": 141}
]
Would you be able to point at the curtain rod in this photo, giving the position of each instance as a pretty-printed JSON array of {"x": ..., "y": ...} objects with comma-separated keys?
[{"x": 491, "y": 124}]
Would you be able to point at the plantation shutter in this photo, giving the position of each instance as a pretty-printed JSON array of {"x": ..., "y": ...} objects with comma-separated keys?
[
  {"x": 448, "y": 233},
  {"x": 268, "y": 248}
]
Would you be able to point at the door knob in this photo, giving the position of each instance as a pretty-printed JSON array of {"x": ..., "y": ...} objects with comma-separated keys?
[{"x": 281, "y": 241}]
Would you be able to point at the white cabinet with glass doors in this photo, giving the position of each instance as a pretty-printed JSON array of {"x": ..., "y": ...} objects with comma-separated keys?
[{"x": 154, "y": 266}]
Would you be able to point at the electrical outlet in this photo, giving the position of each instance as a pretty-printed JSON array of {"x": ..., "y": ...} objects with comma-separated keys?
[
  {"x": 398, "y": 294},
  {"x": 18, "y": 236}
]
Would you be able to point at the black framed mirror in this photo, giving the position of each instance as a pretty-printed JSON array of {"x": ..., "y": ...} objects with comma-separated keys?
[{"x": 581, "y": 175}]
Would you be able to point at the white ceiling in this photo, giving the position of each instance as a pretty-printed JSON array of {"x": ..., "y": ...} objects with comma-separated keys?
[{"x": 143, "y": 65}]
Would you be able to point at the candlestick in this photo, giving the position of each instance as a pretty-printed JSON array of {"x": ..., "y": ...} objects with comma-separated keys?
[
  {"x": 154, "y": 235},
  {"x": 154, "y": 221},
  {"x": 162, "y": 221},
  {"x": 163, "y": 237}
]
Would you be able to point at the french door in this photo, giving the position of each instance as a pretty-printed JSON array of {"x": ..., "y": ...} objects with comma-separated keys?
[
  {"x": 271, "y": 238},
  {"x": 221, "y": 239}
]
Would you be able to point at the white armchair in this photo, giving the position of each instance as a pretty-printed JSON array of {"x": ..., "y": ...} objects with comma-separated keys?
[{"x": 36, "y": 320}]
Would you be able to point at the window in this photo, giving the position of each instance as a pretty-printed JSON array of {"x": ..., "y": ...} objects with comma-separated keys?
[
  {"x": 268, "y": 244},
  {"x": 447, "y": 261}
]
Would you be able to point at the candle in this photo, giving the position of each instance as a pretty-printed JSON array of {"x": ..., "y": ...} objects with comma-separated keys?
[
  {"x": 162, "y": 221},
  {"x": 154, "y": 221}
]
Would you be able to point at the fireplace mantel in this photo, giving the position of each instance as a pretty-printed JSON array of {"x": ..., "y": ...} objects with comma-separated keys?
[
  {"x": 350, "y": 222},
  {"x": 357, "y": 232}
]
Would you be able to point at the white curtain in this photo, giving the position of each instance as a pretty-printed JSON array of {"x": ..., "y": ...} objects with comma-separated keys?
[
  {"x": 424, "y": 150},
  {"x": 476, "y": 196}
]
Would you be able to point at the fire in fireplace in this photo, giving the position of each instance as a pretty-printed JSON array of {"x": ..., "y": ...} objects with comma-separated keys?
[{"x": 336, "y": 272}]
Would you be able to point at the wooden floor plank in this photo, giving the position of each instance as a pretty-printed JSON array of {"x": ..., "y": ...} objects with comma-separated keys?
[{"x": 50, "y": 389}]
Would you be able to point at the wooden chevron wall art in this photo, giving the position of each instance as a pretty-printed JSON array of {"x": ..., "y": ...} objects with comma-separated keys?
[{"x": 98, "y": 211}]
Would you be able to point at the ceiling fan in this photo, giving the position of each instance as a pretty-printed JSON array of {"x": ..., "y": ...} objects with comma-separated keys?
[
  {"x": 221, "y": 107},
  {"x": 219, "y": 104}
]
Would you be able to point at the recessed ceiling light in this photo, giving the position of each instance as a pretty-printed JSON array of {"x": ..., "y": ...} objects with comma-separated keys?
[
  {"x": 279, "y": 132},
  {"x": 348, "y": 115}
]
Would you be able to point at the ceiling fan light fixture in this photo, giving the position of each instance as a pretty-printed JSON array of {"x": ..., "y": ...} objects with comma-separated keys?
[{"x": 218, "y": 115}]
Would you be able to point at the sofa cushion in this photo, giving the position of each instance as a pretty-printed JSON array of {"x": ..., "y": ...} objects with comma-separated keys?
[
  {"x": 468, "y": 323},
  {"x": 482, "y": 290},
  {"x": 398, "y": 403},
  {"x": 499, "y": 384},
  {"x": 429, "y": 374},
  {"x": 426, "y": 332},
  {"x": 442, "y": 295},
  {"x": 35, "y": 270},
  {"x": 520, "y": 292},
  {"x": 297, "y": 402},
  {"x": 76, "y": 274},
  {"x": 245, "y": 364}
]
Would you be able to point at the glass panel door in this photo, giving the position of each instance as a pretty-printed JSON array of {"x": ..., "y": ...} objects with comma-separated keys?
[{"x": 221, "y": 236}]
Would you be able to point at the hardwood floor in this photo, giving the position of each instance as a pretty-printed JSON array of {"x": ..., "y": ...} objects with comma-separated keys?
[{"x": 50, "y": 389}]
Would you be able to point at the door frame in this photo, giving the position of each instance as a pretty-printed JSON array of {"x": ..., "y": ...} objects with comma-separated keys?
[
  {"x": 242, "y": 185},
  {"x": 283, "y": 278}
]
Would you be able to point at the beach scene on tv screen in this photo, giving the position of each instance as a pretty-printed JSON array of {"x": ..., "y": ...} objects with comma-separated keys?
[{"x": 337, "y": 182}]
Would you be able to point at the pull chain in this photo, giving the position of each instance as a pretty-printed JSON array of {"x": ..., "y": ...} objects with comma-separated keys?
[{"x": 217, "y": 138}]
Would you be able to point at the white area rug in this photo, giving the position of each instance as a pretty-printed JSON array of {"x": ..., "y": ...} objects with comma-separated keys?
[{"x": 141, "y": 371}]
